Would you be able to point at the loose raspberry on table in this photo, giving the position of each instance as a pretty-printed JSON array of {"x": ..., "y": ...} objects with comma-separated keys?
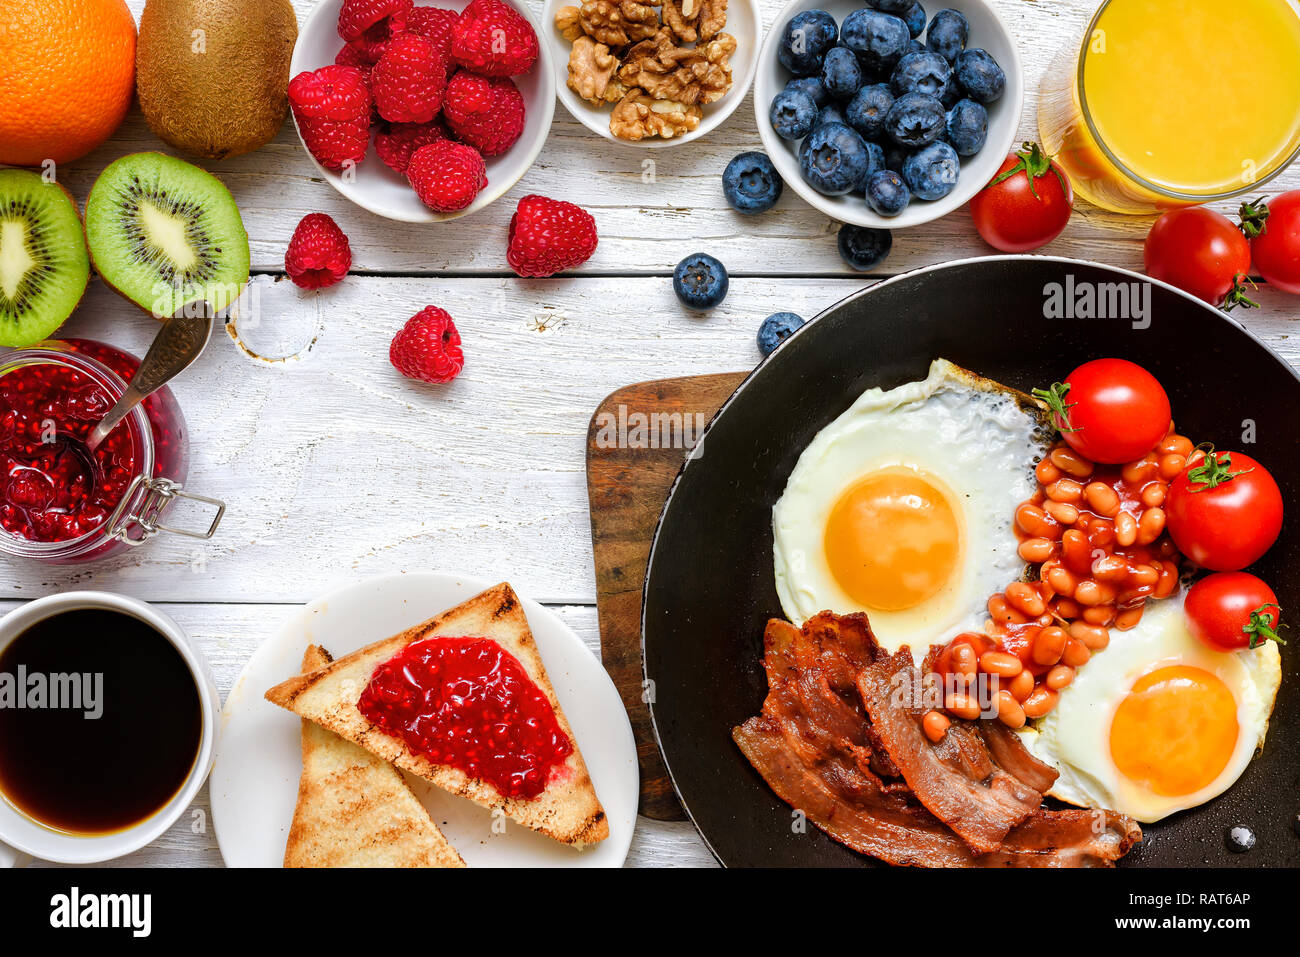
[
  {"x": 436, "y": 24},
  {"x": 332, "y": 108},
  {"x": 409, "y": 80},
  {"x": 548, "y": 236},
  {"x": 493, "y": 39},
  {"x": 398, "y": 142},
  {"x": 485, "y": 112},
  {"x": 447, "y": 175},
  {"x": 358, "y": 16},
  {"x": 319, "y": 255},
  {"x": 428, "y": 347}
]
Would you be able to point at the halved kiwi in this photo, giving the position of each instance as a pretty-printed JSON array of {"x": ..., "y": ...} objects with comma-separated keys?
[
  {"x": 43, "y": 264},
  {"x": 165, "y": 234}
]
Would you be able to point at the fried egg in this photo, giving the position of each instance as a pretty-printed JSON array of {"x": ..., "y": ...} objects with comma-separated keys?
[
  {"x": 901, "y": 508},
  {"x": 1158, "y": 722}
]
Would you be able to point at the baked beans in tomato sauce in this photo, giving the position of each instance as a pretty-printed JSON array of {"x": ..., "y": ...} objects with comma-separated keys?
[{"x": 1097, "y": 536}]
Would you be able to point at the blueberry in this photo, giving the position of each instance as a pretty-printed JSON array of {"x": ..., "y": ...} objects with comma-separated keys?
[
  {"x": 932, "y": 173},
  {"x": 841, "y": 73},
  {"x": 875, "y": 161},
  {"x": 915, "y": 120},
  {"x": 862, "y": 247},
  {"x": 835, "y": 160},
  {"x": 947, "y": 34},
  {"x": 830, "y": 113},
  {"x": 967, "y": 127},
  {"x": 887, "y": 193},
  {"x": 895, "y": 156},
  {"x": 914, "y": 17},
  {"x": 925, "y": 72},
  {"x": 813, "y": 86},
  {"x": 952, "y": 94},
  {"x": 805, "y": 40},
  {"x": 777, "y": 328},
  {"x": 916, "y": 46},
  {"x": 700, "y": 281},
  {"x": 979, "y": 75},
  {"x": 751, "y": 183},
  {"x": 866, "y": 111},
  {"x": 792, "y": 114},
  {"x": 879, "y": 39},
  {"x": 890, "y": 6}
]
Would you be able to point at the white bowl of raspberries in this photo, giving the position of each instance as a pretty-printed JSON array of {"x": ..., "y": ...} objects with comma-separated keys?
[{"x": 420, "y": 112}]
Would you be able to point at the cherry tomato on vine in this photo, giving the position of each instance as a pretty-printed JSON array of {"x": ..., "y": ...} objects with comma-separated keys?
[
  {"x": 1224, "y": 511},
  {"x": 1109, "y": 410},
  {"x": 1027, "y": 204},
  {"x": 1229, "y": 611},
  {"x": 1201, "y": 252},
  {"x": 1273, "y": 229}
]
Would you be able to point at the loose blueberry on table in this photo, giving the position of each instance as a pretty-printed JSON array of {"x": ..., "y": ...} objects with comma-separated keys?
[
  {"x": 751, "y": 183},
  {"x": 700, "y": 281},
  {"x": 775, "y": 329}
]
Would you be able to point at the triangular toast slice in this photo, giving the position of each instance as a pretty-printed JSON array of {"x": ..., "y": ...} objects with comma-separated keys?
[
  {"x": 355, "y": 810},
  {"x": 568, "y": 810}
]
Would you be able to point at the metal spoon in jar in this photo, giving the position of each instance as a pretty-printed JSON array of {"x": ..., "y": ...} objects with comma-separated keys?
[{"x": 179, "y": 342}]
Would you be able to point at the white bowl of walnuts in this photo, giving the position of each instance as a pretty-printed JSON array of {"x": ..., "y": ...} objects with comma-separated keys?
[{"x": 652, "y": 76}]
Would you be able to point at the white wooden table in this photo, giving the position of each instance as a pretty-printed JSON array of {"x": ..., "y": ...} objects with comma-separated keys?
[{"x": 335, "y": 468}]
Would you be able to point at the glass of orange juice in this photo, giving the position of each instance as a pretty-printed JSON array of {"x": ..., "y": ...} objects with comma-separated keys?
[{"x": 1165, "y": 103}]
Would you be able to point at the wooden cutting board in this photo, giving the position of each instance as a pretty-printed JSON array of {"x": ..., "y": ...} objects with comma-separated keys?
[{"x": 636, "y": 443}]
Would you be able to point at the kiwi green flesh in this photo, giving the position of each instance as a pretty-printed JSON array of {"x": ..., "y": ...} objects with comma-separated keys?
[
  {"x": 165, "y": 234},
  {"x": 43, "y": 264}
]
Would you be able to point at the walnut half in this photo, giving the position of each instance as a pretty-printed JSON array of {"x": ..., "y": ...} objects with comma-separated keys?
[
  {"x": 616, "y": 23},
  {"x": 695, "y": 20},
  {"x": 568, "y": 20},
  {"x": 639, "y": 116},
  {"x": 591, "y": 67},
  {"x": 688, "y": 75}
]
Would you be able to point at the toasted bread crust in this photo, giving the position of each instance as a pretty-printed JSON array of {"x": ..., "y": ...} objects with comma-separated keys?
[
  {"x": 568, "y": 810},
  {"x": 355, "y": 810}
]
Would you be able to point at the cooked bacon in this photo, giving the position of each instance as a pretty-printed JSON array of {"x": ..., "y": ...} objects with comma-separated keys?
[
  {"x": 1010, "y": 754},
  {"x": 957, "y": 780},
  {"x": 817, "y": 749}
]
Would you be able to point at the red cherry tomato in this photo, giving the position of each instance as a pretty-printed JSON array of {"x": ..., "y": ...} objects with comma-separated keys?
[
  {"x": 1274, "y": 229},
  {"x": 1026, "y": 205},
  {"x": 1111, "y": 411},
  {"x": 1201, "y": 252},
  {"x": 1224, "y": 511},
  {"x": 1232, "y": 610}
]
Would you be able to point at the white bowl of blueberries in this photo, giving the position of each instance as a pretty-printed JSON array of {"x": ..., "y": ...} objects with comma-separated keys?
[{"x": 885, "y": 116}]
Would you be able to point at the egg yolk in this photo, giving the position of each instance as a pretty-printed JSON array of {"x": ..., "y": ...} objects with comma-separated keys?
[
  {"x": 892, "y": 540},
  {"x": 1175, "y": 732}
]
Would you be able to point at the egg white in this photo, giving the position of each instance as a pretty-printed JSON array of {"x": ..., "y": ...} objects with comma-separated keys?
[
  {"x": 1075, "y": 737},
  {"x": 968, "y": 434}
]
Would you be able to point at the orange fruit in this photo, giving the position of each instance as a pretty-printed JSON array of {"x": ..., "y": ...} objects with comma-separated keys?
[{"x": 67, "y": 74}]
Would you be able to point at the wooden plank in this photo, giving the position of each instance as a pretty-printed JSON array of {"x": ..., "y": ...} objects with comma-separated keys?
[
  {"x": 647, "y": 222},
  {"x": 631, "y": 462}
]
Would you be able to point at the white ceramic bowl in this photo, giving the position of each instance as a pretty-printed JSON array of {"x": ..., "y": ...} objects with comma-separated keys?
[
  {"x": 986, "y": 31},
  {"x": 375, "y": 187},
  {"x": 744, "y": 22}
]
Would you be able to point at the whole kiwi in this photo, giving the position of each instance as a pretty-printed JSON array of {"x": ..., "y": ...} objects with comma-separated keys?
[{"x": 212, "y": 74}]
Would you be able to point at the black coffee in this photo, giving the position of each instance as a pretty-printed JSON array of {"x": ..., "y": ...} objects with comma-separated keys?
[{"x": 100, "y": 721}]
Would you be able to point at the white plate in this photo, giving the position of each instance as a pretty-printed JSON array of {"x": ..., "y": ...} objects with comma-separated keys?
[
  {"x": 254, "y": 784},
  {"x": 987, "y": 30},
  {"x": 375, "y": 187},
  {"x": 744, "y": 22}
]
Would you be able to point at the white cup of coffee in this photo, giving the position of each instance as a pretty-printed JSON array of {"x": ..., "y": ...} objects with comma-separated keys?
[{"x": 109, "y": 718}]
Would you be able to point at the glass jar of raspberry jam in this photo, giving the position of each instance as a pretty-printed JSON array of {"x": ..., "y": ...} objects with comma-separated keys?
[{"x": 61, "y": 502}]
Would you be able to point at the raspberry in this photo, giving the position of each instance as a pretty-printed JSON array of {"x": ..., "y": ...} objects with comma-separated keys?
[
  {"x": 319, "y": 254},
  {"x": 398, "y": 143},
  {"x": 354, "y": 56},
  {"x": 493, "y": 39},
  {"x": 485, "y": 112},
  {"x": 370, "y": 46},
  {"x": 409, "y": 80},
  {"x": 428, "y": 347},
  {"x": 447, "y": 175},
  {"x": 549, "y": 236},
  {"x": 358, "y": 16},
  {"x": 332, "y": 108},
  {"x": 436, "y": 24}
]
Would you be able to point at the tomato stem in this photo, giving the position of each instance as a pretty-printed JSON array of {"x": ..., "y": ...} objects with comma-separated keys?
[
  {"x": 1254, "y": 216},
  {"x": 1035, "y": 164},
  {"x": 1060, "y": 409},
  {"x": 1214, "y": 471},
  {"x": 1261, "y": 627},
  {"x": 1237, "y": 295}
]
